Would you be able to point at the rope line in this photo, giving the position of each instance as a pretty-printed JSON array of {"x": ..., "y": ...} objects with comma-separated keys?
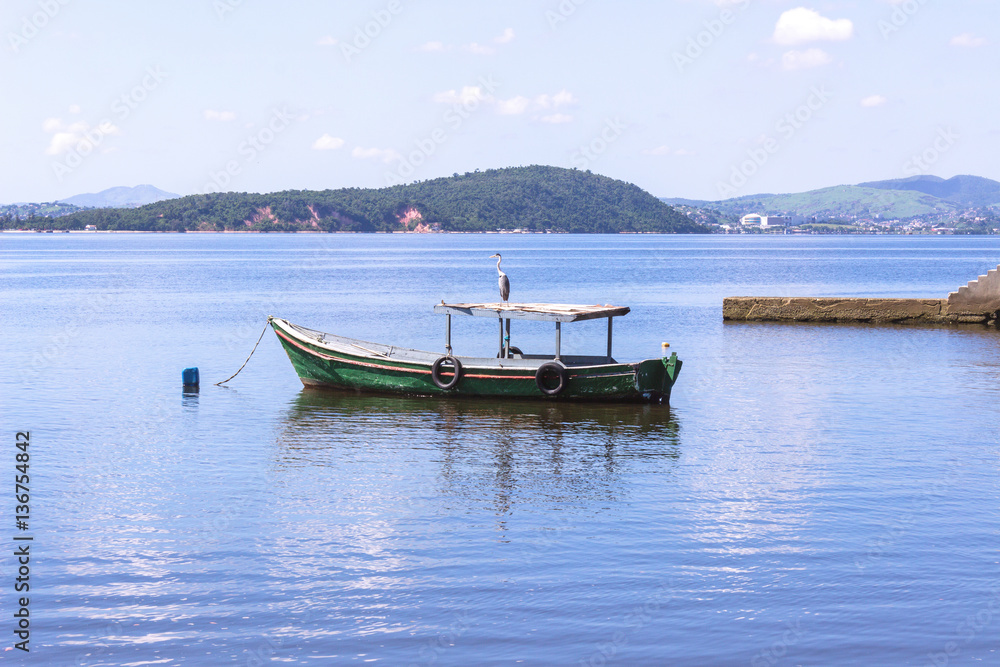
[{"x": 248, "y": 358}]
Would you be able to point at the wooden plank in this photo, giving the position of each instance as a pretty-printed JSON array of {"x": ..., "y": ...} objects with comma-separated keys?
[{"x": 543, "y": 312}]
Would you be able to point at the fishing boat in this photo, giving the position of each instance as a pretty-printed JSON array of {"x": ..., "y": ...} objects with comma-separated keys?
[{"x": 326, "y": 360}]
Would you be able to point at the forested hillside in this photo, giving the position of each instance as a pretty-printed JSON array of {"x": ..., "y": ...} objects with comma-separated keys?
[{"x": 534, "y": 198}]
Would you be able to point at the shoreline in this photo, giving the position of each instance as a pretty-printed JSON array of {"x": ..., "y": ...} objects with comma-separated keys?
[{"x": 797, "y": 234}]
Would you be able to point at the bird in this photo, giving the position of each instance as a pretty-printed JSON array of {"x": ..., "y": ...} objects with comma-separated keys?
[{"x": 503, "y": 280}]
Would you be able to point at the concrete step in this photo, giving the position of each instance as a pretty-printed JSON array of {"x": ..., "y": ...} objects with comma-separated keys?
[{"x": 985, "y": 290}]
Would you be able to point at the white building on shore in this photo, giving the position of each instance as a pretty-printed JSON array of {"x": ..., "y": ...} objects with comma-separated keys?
[{"x": 764, "y": 221}]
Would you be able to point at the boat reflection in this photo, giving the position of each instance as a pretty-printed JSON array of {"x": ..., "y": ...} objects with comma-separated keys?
[
  {"x": 506, "y": 451},
  {"x": 623, "y": 430}
]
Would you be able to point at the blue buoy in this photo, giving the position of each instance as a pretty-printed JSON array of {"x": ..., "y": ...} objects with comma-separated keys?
[{"x": 189, "y": 376}]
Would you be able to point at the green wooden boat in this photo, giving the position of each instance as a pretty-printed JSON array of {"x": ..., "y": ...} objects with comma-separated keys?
[{"x": 325, "y": 360}]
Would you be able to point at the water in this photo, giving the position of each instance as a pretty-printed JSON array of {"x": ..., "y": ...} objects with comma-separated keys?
[{"x": 814, "y": 495}]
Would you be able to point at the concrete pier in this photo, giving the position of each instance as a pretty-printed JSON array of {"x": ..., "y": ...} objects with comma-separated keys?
[{"x": 975, "y": 303}]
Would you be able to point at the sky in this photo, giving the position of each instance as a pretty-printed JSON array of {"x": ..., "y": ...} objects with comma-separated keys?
[{"x": 703, "y": 99}]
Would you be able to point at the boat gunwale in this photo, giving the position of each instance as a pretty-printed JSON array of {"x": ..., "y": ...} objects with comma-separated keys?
[{"x": 399, "y": 355}]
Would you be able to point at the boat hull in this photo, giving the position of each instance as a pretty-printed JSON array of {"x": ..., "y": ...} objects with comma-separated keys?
[{"x": 319, "y": 364}]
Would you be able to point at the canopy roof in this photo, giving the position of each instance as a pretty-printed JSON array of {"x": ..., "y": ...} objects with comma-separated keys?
[{"x": 545, "y": 312}]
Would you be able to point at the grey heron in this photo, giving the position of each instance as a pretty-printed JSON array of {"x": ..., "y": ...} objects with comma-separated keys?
[{"x": 503, "y": 280}]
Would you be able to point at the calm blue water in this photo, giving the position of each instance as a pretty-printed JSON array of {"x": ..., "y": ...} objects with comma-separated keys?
[{"x": 815, "y": 495}]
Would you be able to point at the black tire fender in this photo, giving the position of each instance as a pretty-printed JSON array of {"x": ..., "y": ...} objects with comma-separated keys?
[
  {"x": 436, "y": 372},
  {"x": 552, "y": 367}
]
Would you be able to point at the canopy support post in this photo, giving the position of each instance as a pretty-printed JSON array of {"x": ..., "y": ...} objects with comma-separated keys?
[
  {"x": 558, "y": 338},
  {"x": 507, "y": 340},
  {"x": 500, "y": 354},
  {"x": 447, "y": 334},
  {"x": 609, "y": 339}
]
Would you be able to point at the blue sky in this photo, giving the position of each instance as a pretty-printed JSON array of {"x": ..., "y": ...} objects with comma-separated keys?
[{"x": 686, "y": 98}]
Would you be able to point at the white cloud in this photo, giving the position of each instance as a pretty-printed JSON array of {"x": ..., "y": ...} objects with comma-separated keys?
[
  {"x": 74, "y": 108},
  {"x": 327, "y": 40},
  {"x": 479, "y": 49},
  {"x": 793, "y": 60},
  {"x": 73, "y": 136},
  {"x": 513, "y": 106},
  {"x": 968, "y": 40},
  {"x": 546, "y": 103},
  {"x": 873, "y": 101},
  {"x": 327, "y": 143},
  {"x": 505, "y": 38},
  {"x": 433, "y": 47},
  {"x": 519, "y": 104},
  {"x": 467, "y": 95},
  {"x": 561, "y": 98},
  {"x": 801, "y": 25},
  {"x": 557, "y": 118},
  {"x": 385, "y": 154},
  {"x": 225, "y": 116},
  {"x": 62, "y": 142},
  {"x": 659, "y": 150}
]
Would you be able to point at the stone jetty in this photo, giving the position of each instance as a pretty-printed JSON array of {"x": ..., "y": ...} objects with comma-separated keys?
[{"x": 975, "y": 303}]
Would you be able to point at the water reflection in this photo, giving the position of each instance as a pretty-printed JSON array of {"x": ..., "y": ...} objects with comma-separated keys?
[
  {"x": 189, "y": 398},
  {"x": 622, "y": 430},
  {"x": 502, "y": 453}
]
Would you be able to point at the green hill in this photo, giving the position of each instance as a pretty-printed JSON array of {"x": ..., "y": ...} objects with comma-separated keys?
[
  {"x": 25, "y": 213},
  {"x": 534, "y": 198},
  {"x": 893, "y": 199},
  {"x": 841, "y": 201},
  {"x": 965, "y": 190}
]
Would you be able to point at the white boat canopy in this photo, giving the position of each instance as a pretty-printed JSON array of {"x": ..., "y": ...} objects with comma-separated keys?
[
  {"x": 544, "y": 312},
  {"x": 541, "y": 312}
]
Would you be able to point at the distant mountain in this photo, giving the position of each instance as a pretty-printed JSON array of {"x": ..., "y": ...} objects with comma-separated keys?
[
  {"x": 535, "y": 198},
  {"x": 841, "y": 201},
  {"x": 966, "y": 190},
  {"x": 900, "y": 198},
  {"x": 120, "y": 197}
]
